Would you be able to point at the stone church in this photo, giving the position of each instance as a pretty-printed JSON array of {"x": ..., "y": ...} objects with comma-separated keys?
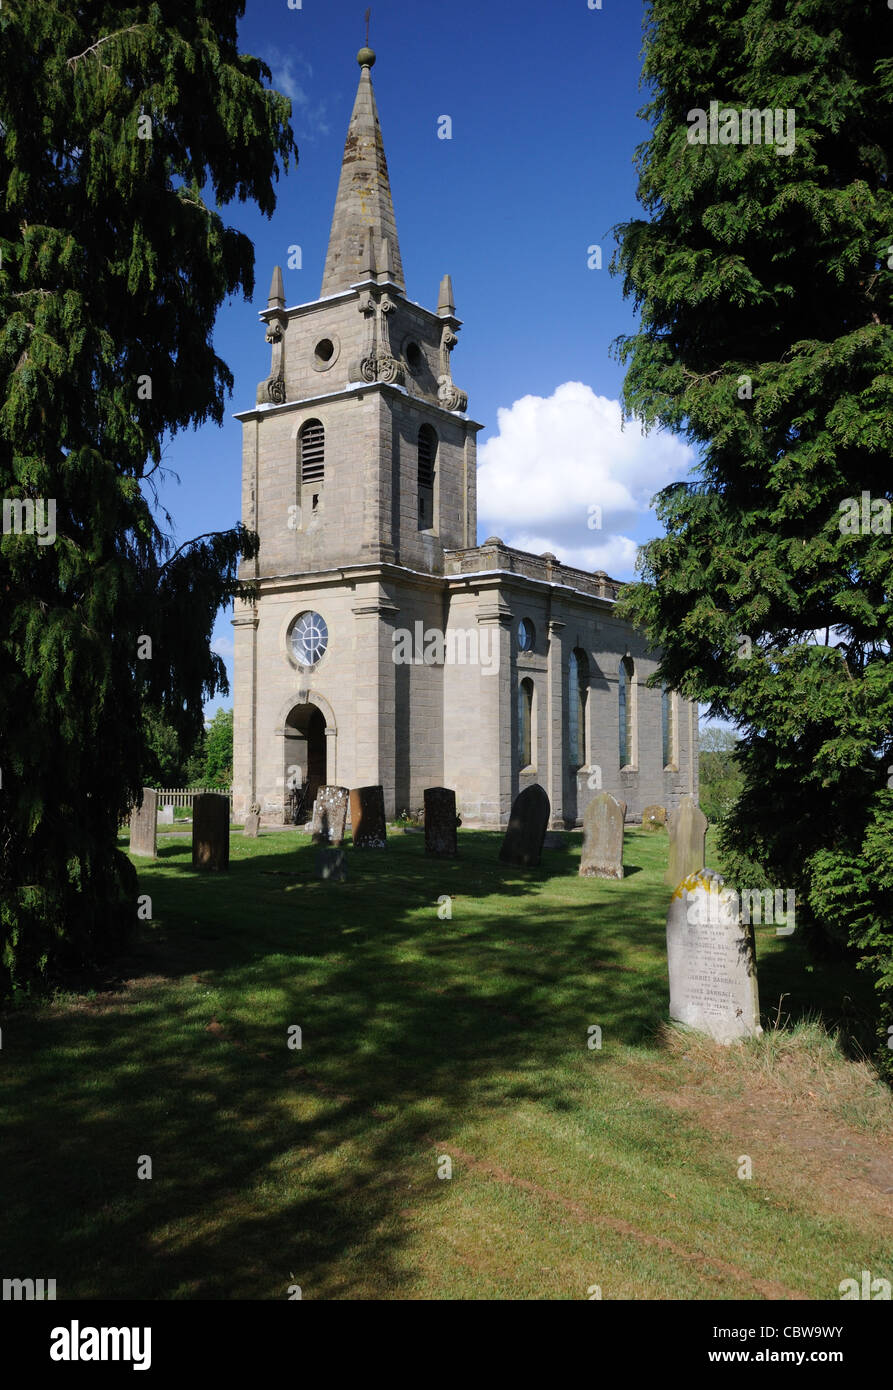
[{"x": 386, "y": 645}]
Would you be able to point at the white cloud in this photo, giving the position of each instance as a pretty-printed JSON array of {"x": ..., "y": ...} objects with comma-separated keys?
[
  {"x": 558, "y": 458},
  {"x": 308, "y": 116},
  {"x": 224, "y": 647},
  {"x": 613, "y": 554}
]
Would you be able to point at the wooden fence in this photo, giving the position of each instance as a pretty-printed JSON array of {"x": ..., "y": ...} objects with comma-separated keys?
[{"x": 184, "y": 796}]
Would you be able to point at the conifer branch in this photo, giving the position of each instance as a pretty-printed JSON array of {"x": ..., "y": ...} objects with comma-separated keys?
[
  {"x": 206, "y": 535},
  {"x": 131, "y": 29}
]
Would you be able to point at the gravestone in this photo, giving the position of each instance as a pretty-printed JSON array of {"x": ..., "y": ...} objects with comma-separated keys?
[
  {"x": 523, "y": 843},
  {"x": 654, "y": 815},
  {"x": 688, "y": 834},
  {"x": 555, "y": 840},
  {"x": 165, "y": 815},
  {"x": 143, "y": 830},
  {"x": 711, "y": 960},
  {"x": 367, "y": 818},
  {"x": 251, "y": 828},
  {"x": 210, "y": 831},
  {"x": 329, "y": 815},
  {"x": 602, "y": 855},
  {"x": 331, "y": 864},
  {"x": 440, "y": 822}
]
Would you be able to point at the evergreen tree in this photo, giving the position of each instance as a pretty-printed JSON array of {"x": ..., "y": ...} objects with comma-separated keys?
[
  {"x": 116, "y": 120},
  {"x": 764, "y": 280}
]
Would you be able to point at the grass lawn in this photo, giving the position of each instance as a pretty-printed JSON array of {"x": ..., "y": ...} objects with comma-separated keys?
[{"x": 427, "y": 1039}]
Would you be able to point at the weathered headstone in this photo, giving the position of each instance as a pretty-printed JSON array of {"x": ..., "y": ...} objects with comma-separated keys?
[
  {"x": 251, "y": 828},
  {"x": 143, "y": 828},
  {"x": 331, "y": 864},
  {"x": 329, "y": 815},
  {"x": 688, "y": 835},
  {"x": 210, "y": 831},
  {"x": 165, "y": 815},
  {"x": 523, "y": 843},
  {"x": 440, "y": 822},
  {"x": 654, "y": 815},
  {"x": 555, "y": 840},
  {"x": 711, "y": 960},
  {"x": 367, "y": 818},
  {"x": 602, "y": 855}
]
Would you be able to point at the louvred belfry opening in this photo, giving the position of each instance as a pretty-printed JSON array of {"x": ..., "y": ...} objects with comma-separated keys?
[
  {"x": 427, "y": 450},
  {"x": 313, "y": 452}
]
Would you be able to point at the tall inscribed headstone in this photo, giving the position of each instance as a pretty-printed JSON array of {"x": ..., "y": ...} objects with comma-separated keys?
[
  {"x": 367, "y": 819},
  {"x": 602, "y": 855},
  {"x": 688, "y": 838},
  {"x": 711, "y": 960},
  {"x": 440, "y": 822},
  {"x": 329, "y": 815},
  {"x": 526, "y": 830},
  {"x": 144, "y": 826},
  {"x": 210, "y": 831}
]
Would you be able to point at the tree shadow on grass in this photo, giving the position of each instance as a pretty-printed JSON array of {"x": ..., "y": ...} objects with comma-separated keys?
[{"x": 427, "y": 992}]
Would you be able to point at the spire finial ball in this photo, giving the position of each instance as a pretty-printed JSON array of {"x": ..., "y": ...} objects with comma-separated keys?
[{"x": 366, "y": 58}]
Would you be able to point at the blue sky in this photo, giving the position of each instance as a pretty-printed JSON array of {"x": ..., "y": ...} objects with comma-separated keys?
[{"x": 543, "y": 101}]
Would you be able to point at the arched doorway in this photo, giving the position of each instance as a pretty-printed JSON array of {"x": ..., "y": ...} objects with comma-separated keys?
[{"x": 306, "y": 750}]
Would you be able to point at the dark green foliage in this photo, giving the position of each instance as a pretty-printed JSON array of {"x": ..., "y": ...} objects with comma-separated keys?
[
  {"x": 167, "y": 764},
  {"x": 778, "y": 269},
  {"x": 219, "y": 750},
  {"x": 163, "y": 765},
  {"x": 113, "y": 267}
]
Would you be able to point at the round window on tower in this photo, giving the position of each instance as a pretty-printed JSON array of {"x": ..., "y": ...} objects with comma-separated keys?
[
  {"x": 413, "y": 356},
  {"x": 525, "y": 635},
  {"x": 325, "y": 354},
  {"x": 309, "y": 639}
]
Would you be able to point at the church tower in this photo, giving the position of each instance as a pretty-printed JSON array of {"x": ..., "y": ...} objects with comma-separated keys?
[
  {"x": 384, "y": 646},
  {"x": 358, "y": 473}
]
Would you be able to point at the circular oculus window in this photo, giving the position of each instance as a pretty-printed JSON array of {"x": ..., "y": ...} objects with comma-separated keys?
[
  {"x": 525, "y": 635},
  {"x": 309, "y": 639},
  {"x": 325, "y": 354}
]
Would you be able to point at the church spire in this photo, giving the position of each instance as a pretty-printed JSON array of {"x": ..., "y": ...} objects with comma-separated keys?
[{"x": 364, "y": 195}]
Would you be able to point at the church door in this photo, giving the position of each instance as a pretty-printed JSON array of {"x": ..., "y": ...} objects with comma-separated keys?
[
  {"x": 305, "y": 753},
  {"x": 316, "y": 753}
]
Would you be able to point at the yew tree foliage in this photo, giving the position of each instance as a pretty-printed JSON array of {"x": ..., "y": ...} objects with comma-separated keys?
[
  {"x": 752, "y": 264},
  {"x": 114, "y": 263}
]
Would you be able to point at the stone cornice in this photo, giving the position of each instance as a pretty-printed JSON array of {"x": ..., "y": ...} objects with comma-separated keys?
[
  {"x": 510, "y": 580},
  {"x": 347, "y": 574},
  {"x": 298, "y": 310},
  {"x": 483, "y": 579},
  {"x": 374, "y": 608},
  {"x": 359, "y": 388},
  {"x": 295, "y": 311}
]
